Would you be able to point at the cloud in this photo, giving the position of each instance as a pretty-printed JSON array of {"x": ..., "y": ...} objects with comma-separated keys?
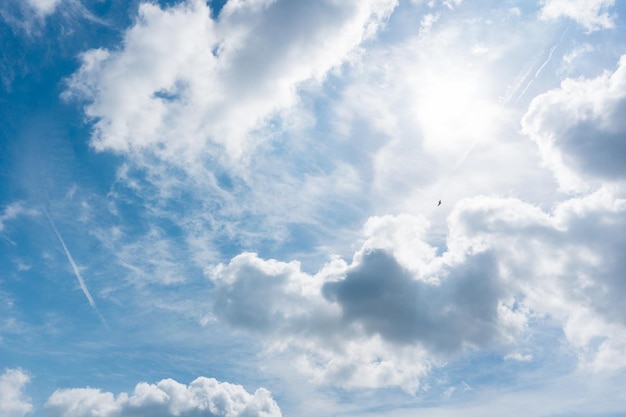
[
  {"x": 183, "y": 83},
  {"x": 13, "y": 211},
  {"x": 509, "y": 269},
  {"x": 385, "y": 315},
  {"x": 564, "y": 266},
  {"x": 44, "y": 7},
  {"x": 579, "y": 128},
  {"x": 209, "y": 112},
  {"x": 284, "y": 307},
  {"x": 13, "y": 403},
  {"x": 385, "y": 300},
  {"x": 204, "y": 397},
  {"x": 31, "y": 16},
  {"x": 591, "y": 14}
]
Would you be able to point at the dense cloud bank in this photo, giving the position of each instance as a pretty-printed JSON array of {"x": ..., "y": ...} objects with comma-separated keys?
[{"x": 507, "y": 262}]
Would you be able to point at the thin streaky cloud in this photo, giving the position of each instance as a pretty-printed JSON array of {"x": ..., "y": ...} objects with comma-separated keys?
[{"x": 79, "y": 277}]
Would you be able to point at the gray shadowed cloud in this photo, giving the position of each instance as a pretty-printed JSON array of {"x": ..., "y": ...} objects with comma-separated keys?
[
  {"x": 375, "y": 322},
  {"x": 566, "y": 265},
  {"x": 246, "y": 302},
  {"x": 580, "y": 129},
  {"x": 601, "y": 231},
  {"x": 596, "y": 150},
  {"x": 507, "y": 262},
  {"x": 376, "y": 294},
  {"x": 385, "y": 299}
]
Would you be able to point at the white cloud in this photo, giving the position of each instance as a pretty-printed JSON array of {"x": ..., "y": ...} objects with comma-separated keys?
[
  {"x": 427, "y": 23},
  {"x": 565, "y": 266},
  {"x": 204, "y": 397},
  {"x": 31, "y": 16},
  {"x": 44, "y": 7},
  {"x": 387, "y": 317},
  {"x": 207, "y": 121},
  {"x": 13, "y": 402},
  {"x": 13, "y": 211},
  {"x": 382, "y": 320},
  {"x": 591, "y": 14},
  {"x": 517, "y": 356},
  {"x": 180, "y": 102},
  {"x": 579, "y": 129},
  {"x": 286, "y": 308},
  {"x": 451, "y": 4}
]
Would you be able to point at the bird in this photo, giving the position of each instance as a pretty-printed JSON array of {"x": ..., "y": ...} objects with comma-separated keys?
[{"x": 439, "y": 203}]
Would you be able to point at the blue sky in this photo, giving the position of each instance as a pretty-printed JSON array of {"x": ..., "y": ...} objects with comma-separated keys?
[{"x": 230, "y": 208}]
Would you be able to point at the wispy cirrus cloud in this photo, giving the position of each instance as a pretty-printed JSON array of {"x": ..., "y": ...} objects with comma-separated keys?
[{"x": 13, "y": 211}]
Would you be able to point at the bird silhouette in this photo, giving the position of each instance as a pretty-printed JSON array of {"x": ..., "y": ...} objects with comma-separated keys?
[{"x": 439, "y": 203}]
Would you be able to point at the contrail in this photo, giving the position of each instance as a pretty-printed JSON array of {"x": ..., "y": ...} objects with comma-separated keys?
[
  {"x": 83, "y": 287},
  {"x": 543, "y": 65}
]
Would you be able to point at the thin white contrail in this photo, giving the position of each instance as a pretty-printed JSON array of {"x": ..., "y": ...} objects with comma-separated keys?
[
  {"x": 469, "y": 150},
  {"x": 79, "y": 277},
  {"x": 542, "y": 65}
]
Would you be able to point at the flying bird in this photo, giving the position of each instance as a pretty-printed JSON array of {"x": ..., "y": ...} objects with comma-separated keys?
[{"x": 439, "y": 203}]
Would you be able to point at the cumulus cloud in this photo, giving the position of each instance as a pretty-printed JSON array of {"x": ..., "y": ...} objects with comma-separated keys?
[
  {"x": 393, "y": 316},
  {"x": 13, "y": 402},
  {"x": 591, "y": 14},
  {"x": 579, "y": 128},
  {"x": 184, "y": 83},
  {"x": 384, "y": 299},
  {"x": 384, "y": 315},
  {"x": 564, "y": 265},
  {"x": 285, "y": 307},
  {"x": 204, "y": 397}
]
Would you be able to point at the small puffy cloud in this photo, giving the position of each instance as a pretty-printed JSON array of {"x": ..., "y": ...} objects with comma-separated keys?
[
  {"x": 205, "y": 397},
  {"x": 591, "y": 14},
  {"x": 579, "y": 128},
  {"x": 451, "y": 4},
  {"x": 13, "y": 402},
  {"x": 517, "y": 356}
]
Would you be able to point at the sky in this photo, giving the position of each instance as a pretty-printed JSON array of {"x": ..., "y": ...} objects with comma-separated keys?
[{"x": 231, "y": 208}]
